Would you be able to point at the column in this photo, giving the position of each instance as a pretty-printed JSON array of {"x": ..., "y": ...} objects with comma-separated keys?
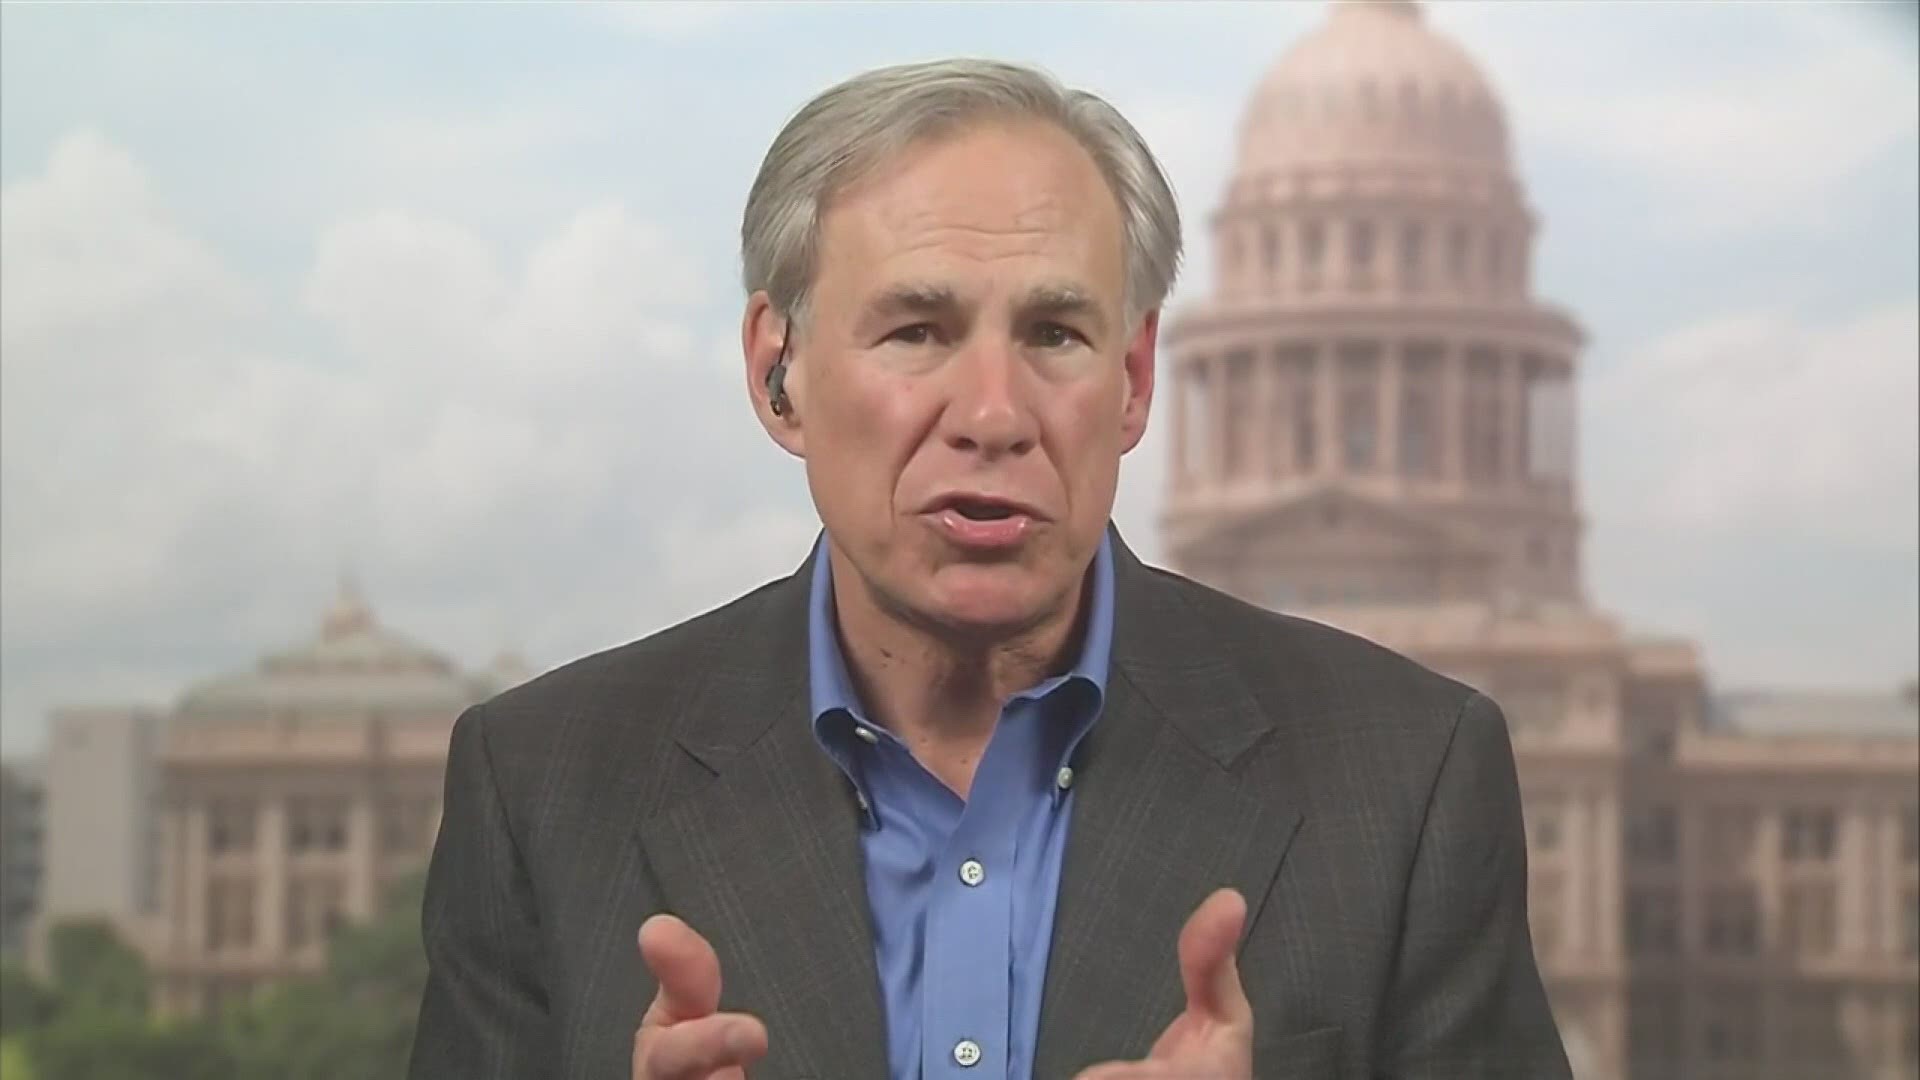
[
  {"x": 194, "y": 877},
  {"x": 1266, "y": 418},
  {"x": 363, "y": 853},
  {"x": 1768, "y": 874},
  {"x": 1392, "y": 361},
  {"x": 1181, "y": 402},
  {"x": 1577, "y": 839},
  {"x": 170, "y": 911},
  {"x": 1687, "y": 874},
  {"x": 1853, "y": 878},
  {"x": 1216, "y": 432},
  {"x": 1884, "y": 908},
  {"x": 1513, "y": 411},
  {"x": 1326, "y": 371},
  {"x": 271, "y": 835},
  {"x": 1609, "y": 876},
  {"x": 1452, "y": 427}
]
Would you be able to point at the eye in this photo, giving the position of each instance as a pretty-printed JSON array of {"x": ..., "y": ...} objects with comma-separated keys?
[
  {"x": 917, "y": 334},
  {"x": 1052, "y": 335}
]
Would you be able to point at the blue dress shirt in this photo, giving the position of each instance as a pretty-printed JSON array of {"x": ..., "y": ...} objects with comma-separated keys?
[{"x": 962, "y": 891}]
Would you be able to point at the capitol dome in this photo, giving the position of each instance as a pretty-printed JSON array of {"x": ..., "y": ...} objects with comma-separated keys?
[
  {"x": 1370, "y": 405},
  {"x": 1373, "y": 84}
]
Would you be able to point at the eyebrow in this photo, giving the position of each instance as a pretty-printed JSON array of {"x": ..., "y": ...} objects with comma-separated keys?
[
  {"x": 1060, "y": 301},
  {"x": 1052, "y": 300},
  {"x": 912, "y": 298}
]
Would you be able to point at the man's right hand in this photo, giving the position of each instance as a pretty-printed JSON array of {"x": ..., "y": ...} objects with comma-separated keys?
[{"x": 682, "y": 1036}]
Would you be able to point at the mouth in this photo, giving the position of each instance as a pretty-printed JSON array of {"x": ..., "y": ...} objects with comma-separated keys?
[
  {"x": 982, "y": 508},
  {"x": 976, "y": 521}
]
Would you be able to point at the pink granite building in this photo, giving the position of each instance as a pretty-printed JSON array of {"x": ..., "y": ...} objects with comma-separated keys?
[{"x": 1375, "y": 427}]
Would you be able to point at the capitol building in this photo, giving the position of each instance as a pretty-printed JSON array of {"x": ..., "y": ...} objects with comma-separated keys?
[{"x": 1374, "y": 426}]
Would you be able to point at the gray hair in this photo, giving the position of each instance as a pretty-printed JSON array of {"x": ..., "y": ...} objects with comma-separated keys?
[{"x": 857, "y": 125}]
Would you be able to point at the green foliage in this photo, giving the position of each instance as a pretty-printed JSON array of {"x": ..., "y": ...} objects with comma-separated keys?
[
  {"x": 93, "y": 1044},
  {"x": 354, "y": 1021},
  {"x": 25, "y": 1004},
  {"x": 14, "y": 1062},
  {"x": 94, "y": 969}
]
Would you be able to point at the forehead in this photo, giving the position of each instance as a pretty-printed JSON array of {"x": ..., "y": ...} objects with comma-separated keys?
[{"x": 1013, "y": 201}]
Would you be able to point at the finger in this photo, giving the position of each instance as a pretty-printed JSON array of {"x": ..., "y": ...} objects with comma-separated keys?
[
  {"x": 685, "y": 967},
  {"x": 696, "y": 1049},
  {"x": 1207, "y": 966}
]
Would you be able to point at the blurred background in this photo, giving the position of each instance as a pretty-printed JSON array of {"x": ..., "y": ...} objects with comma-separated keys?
[{"x": 357, "y": 362}]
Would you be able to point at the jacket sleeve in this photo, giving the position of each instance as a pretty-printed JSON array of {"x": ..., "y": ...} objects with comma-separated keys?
[
  {"x": 484, "y": 1015},
  {"x": 1466, "y": 1001}
]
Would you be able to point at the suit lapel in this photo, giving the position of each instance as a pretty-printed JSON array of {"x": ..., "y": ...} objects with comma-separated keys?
[
  {"x": 1160, "y": 820},
  {"x": 763, "y": 857}
]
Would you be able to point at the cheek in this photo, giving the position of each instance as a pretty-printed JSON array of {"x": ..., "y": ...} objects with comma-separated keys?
[{"x": 871, "y": 434}]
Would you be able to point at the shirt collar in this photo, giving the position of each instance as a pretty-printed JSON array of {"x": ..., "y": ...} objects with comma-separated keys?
[{"x": 831, "y": 689}]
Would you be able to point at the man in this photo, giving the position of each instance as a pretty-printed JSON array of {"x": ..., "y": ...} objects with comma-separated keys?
[{"x": 974, "y": 792}]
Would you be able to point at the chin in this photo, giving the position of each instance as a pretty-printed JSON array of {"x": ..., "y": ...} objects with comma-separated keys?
[{"x": 987, "y": 596}]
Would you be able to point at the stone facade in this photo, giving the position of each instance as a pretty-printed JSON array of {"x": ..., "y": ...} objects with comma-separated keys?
[
  {"x": 293, "y": 796},
  {"x": 1375, "y": 427}
]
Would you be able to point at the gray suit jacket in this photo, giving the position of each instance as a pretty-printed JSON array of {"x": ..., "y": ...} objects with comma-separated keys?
[{"x": 1366, "y": 807}]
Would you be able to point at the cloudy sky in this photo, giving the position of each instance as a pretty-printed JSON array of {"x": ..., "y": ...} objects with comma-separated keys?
[{"x": 447, "y": 294}]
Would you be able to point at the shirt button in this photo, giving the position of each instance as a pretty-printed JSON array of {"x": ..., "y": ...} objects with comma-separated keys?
[
  {"x": 972, "y": 873},
  {"x": 967, "y": 1053},
  {"x": 866, "y": 734},
  {"x": 1064, "y": 778}
]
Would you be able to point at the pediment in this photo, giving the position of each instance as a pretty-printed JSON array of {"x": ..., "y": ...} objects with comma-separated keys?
[{"x": 1337, "y": 522}]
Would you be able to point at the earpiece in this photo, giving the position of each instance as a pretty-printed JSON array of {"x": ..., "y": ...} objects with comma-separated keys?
[{"x": 777, "y": 399}]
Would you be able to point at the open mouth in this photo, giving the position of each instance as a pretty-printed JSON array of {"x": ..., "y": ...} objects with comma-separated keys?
[{"x": 978, "y": 510}]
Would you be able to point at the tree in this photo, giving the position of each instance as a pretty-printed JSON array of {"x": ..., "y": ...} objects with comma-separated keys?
[
  {"x": 14, "y": 1062},
  {"x": 353, "y": 1022},
  {"x": 95, "y": 1044},
  {"x": 93, "y": 1024},
  {"x": 25, "y": 1003},
  {"x": 94, "y": 969}
]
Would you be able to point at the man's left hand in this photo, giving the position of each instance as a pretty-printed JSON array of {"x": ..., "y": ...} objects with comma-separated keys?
[{"x": 1213, "y": 1038}]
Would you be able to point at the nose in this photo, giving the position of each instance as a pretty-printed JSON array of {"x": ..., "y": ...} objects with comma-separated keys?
[{"x": 988, "y": 413}]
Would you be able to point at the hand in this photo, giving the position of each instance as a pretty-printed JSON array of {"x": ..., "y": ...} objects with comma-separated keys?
[
  {"x": 1213, "y": 1038},
  {"x": 682, "y": 1036}
]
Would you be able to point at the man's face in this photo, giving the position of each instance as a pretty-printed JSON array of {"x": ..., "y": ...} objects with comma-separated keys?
[{"x": 964, "y": 385}]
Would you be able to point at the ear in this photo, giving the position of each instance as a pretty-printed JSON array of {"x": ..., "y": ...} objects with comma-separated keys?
[
  {"x": 1138, "y": 365},
  {"x": 762, "y": 333}
]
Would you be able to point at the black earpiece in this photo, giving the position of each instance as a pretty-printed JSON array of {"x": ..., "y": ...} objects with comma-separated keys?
[{"x": 777, "y": 399}]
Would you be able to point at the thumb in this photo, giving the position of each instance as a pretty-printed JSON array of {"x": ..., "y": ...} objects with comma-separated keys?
[
  {"x": 685, "y": 967},
  {"x": 1207, "y": 966}
]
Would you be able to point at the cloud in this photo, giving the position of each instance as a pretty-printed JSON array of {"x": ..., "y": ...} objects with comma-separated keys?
[
  {"x": 1755, "y": 487},
  {"x": 497, "y": 439},
  {"x": 1730, "y": 143},
  {"x": 676, "y": 20},
  {"x": 430, "y": 323},
  {"x": 90, "y": 232},
  {"x": 1754, "y": 422}
]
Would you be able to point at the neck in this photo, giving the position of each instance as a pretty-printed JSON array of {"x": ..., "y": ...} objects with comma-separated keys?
[{"x": 938, "y": 689}]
